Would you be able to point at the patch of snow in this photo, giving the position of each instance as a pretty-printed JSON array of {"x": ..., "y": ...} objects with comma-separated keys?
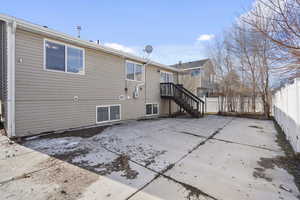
[
  {"x": 53, "y": 146},
  {"x": 153, "y": 143}
]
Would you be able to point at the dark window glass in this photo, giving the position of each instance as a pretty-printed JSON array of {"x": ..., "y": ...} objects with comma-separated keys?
[
  {"x": 75, "y": 60},
  {"x": 114, "y": 112},
  {"x": 149, "y": 109},
  {"x": 130, "y": 71},
  {"x": 169, "y": 78},
  {"x": 163, "y": 77},
  {"x": 102, "y": 114},
  {"x": 139, "y": 72},
  {"x": 155, "y": 109},
  {"x": 195, "y": 72},
  {"x": 55, "y": 56},
  {"x": 166, "y": 77}
]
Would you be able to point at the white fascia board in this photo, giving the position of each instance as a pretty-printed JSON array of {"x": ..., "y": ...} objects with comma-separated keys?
[
  {"x": 192, "y": 68},
  {"x": 22, "y": 24},
  {"x": 11, "y": 31}
]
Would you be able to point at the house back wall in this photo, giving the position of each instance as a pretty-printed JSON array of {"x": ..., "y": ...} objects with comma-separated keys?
[{"x": 45, "y": 99}]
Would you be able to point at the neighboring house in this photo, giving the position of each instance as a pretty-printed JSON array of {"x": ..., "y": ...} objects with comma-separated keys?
[
  {"x": 51, "y": 81},
  {"x": 197, "y": 76}
]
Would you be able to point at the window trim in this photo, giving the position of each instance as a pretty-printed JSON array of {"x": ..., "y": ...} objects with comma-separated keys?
[
  {"x": 135, "y": 63},
  {"x": 66, "y": 57},
  {"x": 105, "y": 106},
  {"x": 152, "y": 109}
]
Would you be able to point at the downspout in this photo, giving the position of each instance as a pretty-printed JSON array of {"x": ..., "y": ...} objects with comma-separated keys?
[
  {"x": 11, "y": 44},
  {"x": 145, "y": 79},
  {"x": 2, "y": 63}
]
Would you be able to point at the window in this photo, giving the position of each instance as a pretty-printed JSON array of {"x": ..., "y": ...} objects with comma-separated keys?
[
  {"x": 64, "y": 58},
  {"x": 75, "y": 60},
  {"x": 55, "y": 56},
  {"x": 155, "y": 109},
  {"x": 149, "y": 109},
  {"x": 138, "y": 72},
  {"x": 108, "y": 113},
  {"x": 130, "y": 71},
  {"x": 152, "y": 109},
  {"x": 166, "y": 77},
  {"x": 134, "y": 71},
  {"x": 114, "y": 112},
  {"x": 102, "y": 114},
  {"x": 195, "y": 72}
]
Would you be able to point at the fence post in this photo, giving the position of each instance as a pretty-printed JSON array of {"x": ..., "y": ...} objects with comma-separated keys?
[
  {"x": 205, "y": 104},
  {"x": 219, "y": 103}
]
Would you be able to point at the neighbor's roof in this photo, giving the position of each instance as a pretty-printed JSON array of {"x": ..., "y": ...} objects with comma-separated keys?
[
  {"x": 28, "y": 26},
  {"x": 190, "y": 65}
]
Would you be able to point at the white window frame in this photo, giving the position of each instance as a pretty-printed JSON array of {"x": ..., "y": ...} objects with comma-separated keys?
[
  {"x": 108, "y": 106},
  {"x": 152, "y": 109},
  {"x": 134, "y": 78},
  {"x": 66, "y": 57},
  {"x": 166, "y": 72}
]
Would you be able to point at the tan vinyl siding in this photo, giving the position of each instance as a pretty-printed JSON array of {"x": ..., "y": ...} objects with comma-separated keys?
[
  {"x": 45, "y": 99},
  {"x": 153, "y": 85},
  {"x": 202, "y": 81},
  {"x": 153, "y": 90}
]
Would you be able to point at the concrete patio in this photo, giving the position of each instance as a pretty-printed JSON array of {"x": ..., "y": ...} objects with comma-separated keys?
[{"x": 214, "y": 157}]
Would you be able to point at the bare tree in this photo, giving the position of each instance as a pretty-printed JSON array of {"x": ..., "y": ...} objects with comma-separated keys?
[
  {"x": 226, "y": 74},
  {"x": 240, "y": 43},
  {"x": 262, "y": 44},
  {"x": 265, "y": 51},
  {"x": 279, "y": 22},
  {"x": 244, "y": 62}
]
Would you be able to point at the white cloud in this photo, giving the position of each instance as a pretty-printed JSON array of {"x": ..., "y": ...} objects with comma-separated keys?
[
  {"x": 120, "y": 47},
  {"x": 205, "y": 37}
]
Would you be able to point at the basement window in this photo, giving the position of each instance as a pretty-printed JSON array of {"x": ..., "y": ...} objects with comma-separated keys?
[
  {"x": 64, "y": 58},
  {"x": 134, "y": 71},
  {"x": 108, "y": 113},
  {"x": 151, "y": 109}
]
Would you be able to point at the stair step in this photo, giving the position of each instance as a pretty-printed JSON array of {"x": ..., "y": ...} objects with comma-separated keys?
[{"x": 184, "y": 98}]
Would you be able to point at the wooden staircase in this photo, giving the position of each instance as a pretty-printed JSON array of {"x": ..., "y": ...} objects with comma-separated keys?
[{"x": 183, "y": 97}]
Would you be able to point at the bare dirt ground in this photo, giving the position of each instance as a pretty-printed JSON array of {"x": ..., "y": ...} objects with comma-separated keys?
[{"x": 180, "y": 158}]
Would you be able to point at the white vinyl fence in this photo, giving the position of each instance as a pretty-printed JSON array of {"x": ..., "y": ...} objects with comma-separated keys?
[
  {"x": 286, "y": 111},
  {"x": 214, "y": 105},
  {"x": 211, "y": 104}
]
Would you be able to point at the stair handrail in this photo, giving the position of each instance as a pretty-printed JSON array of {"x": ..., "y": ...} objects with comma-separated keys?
[
  {"x": 188, "y": 93},
  {"x": 196, "y": 97},
  {"x": 192, "y": 94},
  {"x": 185, "y": 92}
]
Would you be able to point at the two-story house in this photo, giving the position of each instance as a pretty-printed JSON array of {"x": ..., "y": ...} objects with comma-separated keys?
[{"x": 197, "y": 76}]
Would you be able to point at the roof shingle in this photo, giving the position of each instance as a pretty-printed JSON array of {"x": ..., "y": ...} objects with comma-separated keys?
[{"x": 188, "y": 65}]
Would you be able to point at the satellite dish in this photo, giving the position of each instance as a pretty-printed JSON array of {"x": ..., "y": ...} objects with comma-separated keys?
[{"x": 148, "y": 49}]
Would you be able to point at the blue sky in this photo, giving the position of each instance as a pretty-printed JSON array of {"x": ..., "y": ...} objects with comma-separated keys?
[{"x": 178, "y": 30}]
